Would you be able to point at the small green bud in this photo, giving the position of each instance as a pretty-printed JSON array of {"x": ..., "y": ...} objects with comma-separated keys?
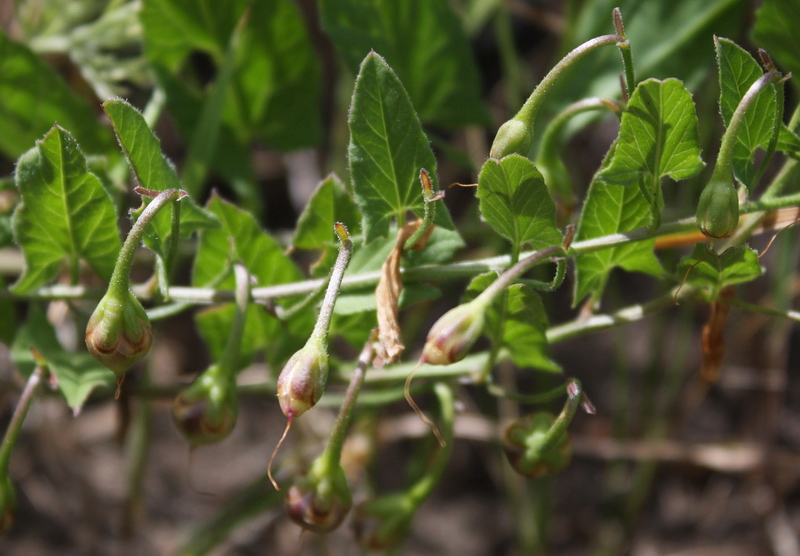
[
  {"x": 319, "y": 501},
  {"x": 119, "y": 333},
  {"x": 8, "y": 504},
  {"x": 526, "y": 449},
  {"x": 718, "y": 209},
  {"x": 452, "y": 336},
  {"x": 384, "y": 522},
  {"x": 514, "y": 137},
  {"x": 302, "y": 380},
  {"x": 206, "y": 411}
]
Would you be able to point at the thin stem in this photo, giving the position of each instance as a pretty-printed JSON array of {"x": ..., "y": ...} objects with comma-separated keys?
[
  {"x": 121, "y": 279},
  {"x": 515, "y": 271},
  {"x": 333, "y": 451},
  {"x": 722, "y": 169},
  {"x": 559, "y": 427},
  {"x": 625, "y": 50},
  {"x": 15, "y": 425},
  {"x": 429, "y": 210},
  {"x": 320, "y": 333},
  {"x": 230, "y": 357},
  {"x": 529, "y": 109},
  {"x": 772, "y": 312},
  {"x": 425, "y": 485}
]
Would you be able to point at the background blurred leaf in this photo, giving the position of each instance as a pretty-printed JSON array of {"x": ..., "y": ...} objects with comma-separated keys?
[
  {"x": 65, "y": 213},
  {"x": 330, "y": 203},
  {"x": 777, "y": 22},
  {"x": 276, "y": 84},
  {"x": 424, "y": 42},
  {"x": 514, "y": 200},
  {"x": 387, "y": 150},
  {"x": 33, "y": 98}
]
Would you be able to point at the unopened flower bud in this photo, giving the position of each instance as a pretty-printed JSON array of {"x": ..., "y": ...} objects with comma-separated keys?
[
  {"x": 514, "y": 137},
  {"x": 206, "y": 412},
  {"x": 119, "y": 333},
  {"x": 452, "y": 336},
  {"x": 383, "y": 523},
  {"x": 528, "y": 452},
  {"x": 8, "y": 504},
  {"x": 320, "y": 501},
  {"x": 718, "y": 209},
  {"x": 302, "y": 380}
]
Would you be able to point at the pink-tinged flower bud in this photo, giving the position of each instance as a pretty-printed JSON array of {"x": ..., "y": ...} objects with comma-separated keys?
[
  {"x": 718, "y": 209},
  {"x": 527, "y": 448},
  {"x": 452, "y": 336},
  {"x": 8, "y": 504},
  {"x": 320, "y": 501},
  {"x": 384, "y": 522},
  {"x": 206, "y": 412},
  {"x": 119, "y": 333},
  {"x": 302, "y": 380}
]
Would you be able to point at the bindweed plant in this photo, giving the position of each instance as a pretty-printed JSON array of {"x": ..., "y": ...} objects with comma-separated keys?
[{"x": 406, "y": 308}]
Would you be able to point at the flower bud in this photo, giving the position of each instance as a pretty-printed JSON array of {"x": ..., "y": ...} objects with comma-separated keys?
[
  {"x": 383, "y": 523},
  {"x": 206, "y": 412},
  {"x": 513, "y": 137},
  {"x": 302, "y": 380},
  {"x": 8, "y": 504},
  {"x": 452, "y": 336},
  {"x": 526, "y": 449},
  {"x": 119, "y": 333},
  {"x": 320, "y": 501},
  {"x": 718, "y": 209}
]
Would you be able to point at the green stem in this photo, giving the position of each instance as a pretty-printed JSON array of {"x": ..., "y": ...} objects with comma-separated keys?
[
  {"x": 333, "y": 451},
  {"x": 625, "y": 50},
  {"x": 429, "y": 210},
  {"x": 15, "y": 425},
  {"x": 505, "y": 279},
  {"x": 556, "y": 432},
  {"x": 722, "y": 169},
  {"x": 230, "y": 357},
  {"x": 772, "y": 312},
  {"x": 528, "y": 111},
  {"x": 422, "y": 488},
  {"x": 320, "y": 333},
  {"x": 121, "y": 277}
]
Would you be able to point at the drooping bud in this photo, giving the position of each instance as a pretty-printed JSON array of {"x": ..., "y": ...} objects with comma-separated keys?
[
  {"x": 119, "y": 333},
  {"x": 383, "y": 523},
  {"x": 529, "y": 450},
  {"x": 302, "y": 380},
  {"x": 514, "y": 137},
  {"x": 206, "y": 411},
  {"x": 452, "y": 336},
  {"x": 8, "y": 504},
  {"x": 718, "y": 209},
  {"x": 320, "y": 501}
]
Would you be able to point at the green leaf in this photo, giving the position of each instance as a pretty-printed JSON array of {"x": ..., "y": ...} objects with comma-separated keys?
[
  {"x": 612, "y": 209},
  {"x": 423, "y": 40},
  {"x": 387, "y": 150},
  {"x": 275, "y": 91},
  {"x": 737, "y": 72},
  {"x": 788, "y": 142},
  {"x": 77, "y": 374},
  {"x": 657, "y": 139},
  {"x": 514, "y": 200},
  {"x": 775, "y": 30},
  {"x": 330, "y": 203},
  {"x": 153, "y": 171},
  {"x": 705, "y": 268},
  {"x": 523, "y": 323},
  {"x": 65, "y": 213},
  {"x": 33, "y": 98},
  {"x": 241, "y": 239}
]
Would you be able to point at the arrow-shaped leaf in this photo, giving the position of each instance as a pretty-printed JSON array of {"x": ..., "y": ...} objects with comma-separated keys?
[
  {"x": 65, "y": 213},
  {"x": 705, "y": 268},
  {"x": 514, "y": 200},
  {"x": 657, "y": 139},
  {"x": 387, "y": 150}
]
